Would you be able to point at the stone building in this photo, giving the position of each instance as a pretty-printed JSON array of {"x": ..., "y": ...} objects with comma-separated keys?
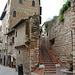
[
  {"x": 13, "y": 12},
  {"x": 0, "y": 41},
  {"x": 11, "y": 51},
  {"x": 23, "y": 44}
]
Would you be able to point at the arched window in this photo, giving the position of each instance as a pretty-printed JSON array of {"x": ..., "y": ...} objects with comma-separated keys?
[
  {"x": 14, "y": 14},
  {"x": 20, "y": 1},
  {"x": 33, "y": 3}
]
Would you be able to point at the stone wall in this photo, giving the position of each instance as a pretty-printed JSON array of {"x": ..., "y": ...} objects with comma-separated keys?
[
  {"x": 23, "y": 10},
  {"x": 34, "y": 43},
  {"x": 61, "y": 35},
  {"x": 23, "y": 57},
  {"x": 11, "y": 51},
  {"x": 0, "y": 41},
  {"x": 73, "y": 31},
  {"x": 28, "y": 52},
  {"x": 34, "y": 54},
  {"x": 5, "y": 27}
]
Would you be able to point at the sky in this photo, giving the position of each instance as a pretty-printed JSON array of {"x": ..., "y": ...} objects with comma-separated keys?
[
  {"x": 2, "y": 5},
  {"x": 50, "y": 8}
]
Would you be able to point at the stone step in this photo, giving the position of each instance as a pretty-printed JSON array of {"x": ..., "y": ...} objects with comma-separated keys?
[
  {"x": 50, "y": 72},
  {"x": 49, "y": 65},
  {"x": 48, "y": 69}
]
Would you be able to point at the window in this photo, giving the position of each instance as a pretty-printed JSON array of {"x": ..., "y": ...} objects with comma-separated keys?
[
  {"x": 16, "y": 33},
  {"x": 0, "y": 51},
  {"x": 19, "y": 51},
  {"x": 20, "y": 1},
  {"x": 33, "y": 3},
  {"x": 13, "y": 40},
  {"x": 39, "y": 2},
  {"x": 14, "y": 14}
]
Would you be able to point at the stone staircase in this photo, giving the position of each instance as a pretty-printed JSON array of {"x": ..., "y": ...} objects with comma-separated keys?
[{"x": 50, "y": 68}]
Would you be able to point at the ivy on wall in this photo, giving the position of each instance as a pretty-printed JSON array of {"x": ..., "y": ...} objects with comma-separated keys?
[
  {"x": 61, "y": 17},
  {"x": 49, "y": 23},
  {"x": 63, "y": 9}
]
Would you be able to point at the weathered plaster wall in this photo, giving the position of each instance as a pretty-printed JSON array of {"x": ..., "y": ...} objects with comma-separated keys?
[{"x": 23, "y": 57}]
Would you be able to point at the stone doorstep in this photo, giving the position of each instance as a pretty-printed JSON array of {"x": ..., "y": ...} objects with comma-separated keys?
[{"x": 33, "y": 74}]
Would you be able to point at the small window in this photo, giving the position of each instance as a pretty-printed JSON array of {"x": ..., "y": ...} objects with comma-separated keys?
[
  {"x": 19, "y": 51},
  {"x": 33, "y": 3},
  {"x": 13, "y": 40},
  {"x": 20, "y": 1},
  {"x": 16, "y": 33},
  {"x": 0, "y": 51},
  {"x": 14, "y": 14},
  {"x": 39, "y": 2}
]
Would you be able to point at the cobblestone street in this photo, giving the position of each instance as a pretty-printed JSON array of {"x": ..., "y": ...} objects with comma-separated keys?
[{"x": 7, "y": 71}]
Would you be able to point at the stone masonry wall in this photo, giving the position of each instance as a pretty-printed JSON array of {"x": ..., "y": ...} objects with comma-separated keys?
[
  {"x": 23, "y": 10},
  {"x": 23, "y": 57},
  {"x": 73, "y": 31},
  {"x": 62, "y": 46},
  {"x": 34, "y": 54},
  {"x": 34, "y": 43},
  {"x": 28, "y": 53}
]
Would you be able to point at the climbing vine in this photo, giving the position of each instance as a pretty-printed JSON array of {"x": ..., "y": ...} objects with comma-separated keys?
[
  {"x": 63, "y": 9},
  {"x": 49, "y": 23}
]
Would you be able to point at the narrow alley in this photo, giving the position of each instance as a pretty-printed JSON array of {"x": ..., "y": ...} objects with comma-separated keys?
[{"x": 50, "y": 68}]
